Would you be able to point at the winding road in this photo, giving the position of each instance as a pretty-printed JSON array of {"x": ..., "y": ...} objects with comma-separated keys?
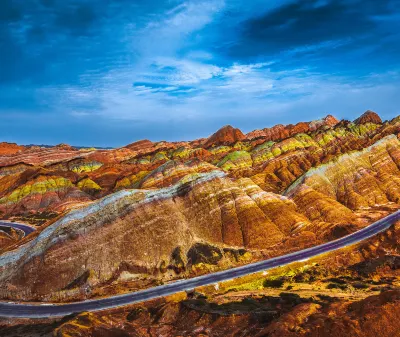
[
  {"x": 19, "y": 226},
  {"x": 45, "y": 310}
]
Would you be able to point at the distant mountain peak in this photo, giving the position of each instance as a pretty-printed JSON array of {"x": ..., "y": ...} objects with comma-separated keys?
[
  {"x": 369, "y": 116},
  {"x": 140, "y": 144},
  {"x": 281, "y": 131},
  {"x": 225, "y": 135},
  {"x": 331, "y": 120}
]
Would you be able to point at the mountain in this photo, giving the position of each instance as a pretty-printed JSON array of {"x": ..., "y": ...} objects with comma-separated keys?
[
  {"x": 10, "y": 148},
  {"x": 225, "y": 136},
  {"x": 368, "y": 117},
  {"x": 280, "y": 131},
  {"x": 160, "y": 211},
  {"x": 114, "y": 221}
]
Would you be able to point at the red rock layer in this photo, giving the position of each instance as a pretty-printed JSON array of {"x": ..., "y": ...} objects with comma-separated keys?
[
  {"x": 369, "y": 117},
  {"x": 361, "y": 179},
  {"x": 7, "y": 239},
  {"x": 144, "y": 229},
  {"x": 41, "y": 156},
  {"x": 225, "y": 136},
  {"x": 140, "y": 145},
  {"x": 257, "y": 313},
  {"x": 371, "y": 317},
  {"x": 279, "y": 132},
  {"x": 10, "y": 148}
]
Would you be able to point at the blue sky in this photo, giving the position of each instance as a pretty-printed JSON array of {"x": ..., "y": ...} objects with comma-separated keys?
[{"x": 106, "y": 73}]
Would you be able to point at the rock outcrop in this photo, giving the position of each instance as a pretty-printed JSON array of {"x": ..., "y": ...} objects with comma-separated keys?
[
  {"x": 272, "y": 164},
  {"x": 280, "y": 132},
  {"x": 143, "y": 228},
  {"x": 8, "y": 236},
  {"x": 360, "y": 179},
  {"x": 289, "y": 316},
  {"x": 369, "y": 117},
  {"x": 10, "y": 148},
  {"x": 147, "y": 209},
  {"x": 42, "y": 194},
  {"x": 225, "y": 136},
  {"x": 140, "y": 145}
]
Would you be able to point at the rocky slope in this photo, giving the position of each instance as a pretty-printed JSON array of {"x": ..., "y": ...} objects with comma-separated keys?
[
  {"x": 369, "y": 117},
  {"x": 124, "y": 219},
  {"x": 186, "y": 227},
  {"x": 143, "y": 229},
  {"x": 280, "y": 316},
  {"x": 273, "y": 158},
  {"x": 361, "y": 179},
  {"x": 225, "y": 136},
  {"x": 10, "y": 148},
  {"x": 352, "y": 292},
  {"x": 279, "y": 132},
  {"x": 8, "y": 236}
]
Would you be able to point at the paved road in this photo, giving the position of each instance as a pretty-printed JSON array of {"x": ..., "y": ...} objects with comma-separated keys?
[
  {"x": 25, "y": 228},
  {"x": 41, "y": 310}
]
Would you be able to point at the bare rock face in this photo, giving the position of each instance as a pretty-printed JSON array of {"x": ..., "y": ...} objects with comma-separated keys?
[
  {"x": 66, "y": 147},
  {"x": 361, "y": 179},
  {"x": 272, "y": 164},
  {"x": 40, "y": 156},
  {"x": 373, "y": 316},
  {"x": 280, "y": 132},
  {"x": 172, "y": 171},
  {"x": 41, "y": 194},
  {"x": 109, "y": 156},
  {"x": 318, "y": 206},
  {"x": 140, "y": 144},
  {"x": 369, "y": 117},
  {"x": 274, "y": 133},
  {"x": 224, "y": 136},
  {"x": 143, "y": 228},
  {"x": 7, "y": 239},
  {"x": 163, "y": 200},
  {"x": 329, "y": 120},
  {"x": 10, "y": 148}
]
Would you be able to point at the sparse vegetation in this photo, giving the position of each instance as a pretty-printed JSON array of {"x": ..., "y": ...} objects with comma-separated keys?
[{"x": 273, "y": 283}]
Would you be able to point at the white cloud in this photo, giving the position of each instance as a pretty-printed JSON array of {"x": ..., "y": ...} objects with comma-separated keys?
[
  {"x": 194, "y": 85},
  {"x": 166, "y": 34},
  {"x": 183, "y": 72}
]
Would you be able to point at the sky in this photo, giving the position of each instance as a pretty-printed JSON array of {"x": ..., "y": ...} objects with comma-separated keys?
[{"x": 107, "y": 73}]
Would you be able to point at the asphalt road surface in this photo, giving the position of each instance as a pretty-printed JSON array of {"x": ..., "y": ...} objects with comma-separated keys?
[
  {"x": 25, "y": 228},
  {"x": 45, "y": 310}
]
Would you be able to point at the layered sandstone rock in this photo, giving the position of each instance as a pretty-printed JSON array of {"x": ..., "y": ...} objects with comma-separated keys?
[
  {"x": 177, "y": 206},
  {"x": 10, "y": 148},
  {"x": 266, "y": 316},
  {"x": 280, "y": 132},
  {"x": 41, "y": 194},
  {"x": 273, "y": 165},
  {"x": 277, "y": 165},
  {"x": 361, "y": 179},
  {"x": 140, "y": 145},
  {"x": 224, "y": 136},
  {"x": 236, "y": 160},
  {"x": 369, "y": 117},
  {"x": 353, "y": 310},
  {"x": 172, "y": 171},
  {"x": 143, "y": 228},
  {"x": 8, "y": 237},
  {"x": 40, "y": 156}
]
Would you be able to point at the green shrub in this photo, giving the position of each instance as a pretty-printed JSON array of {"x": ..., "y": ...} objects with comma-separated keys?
[
  {"x": 336, "y": 286},
  {"x": 273, "y": 283}
]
